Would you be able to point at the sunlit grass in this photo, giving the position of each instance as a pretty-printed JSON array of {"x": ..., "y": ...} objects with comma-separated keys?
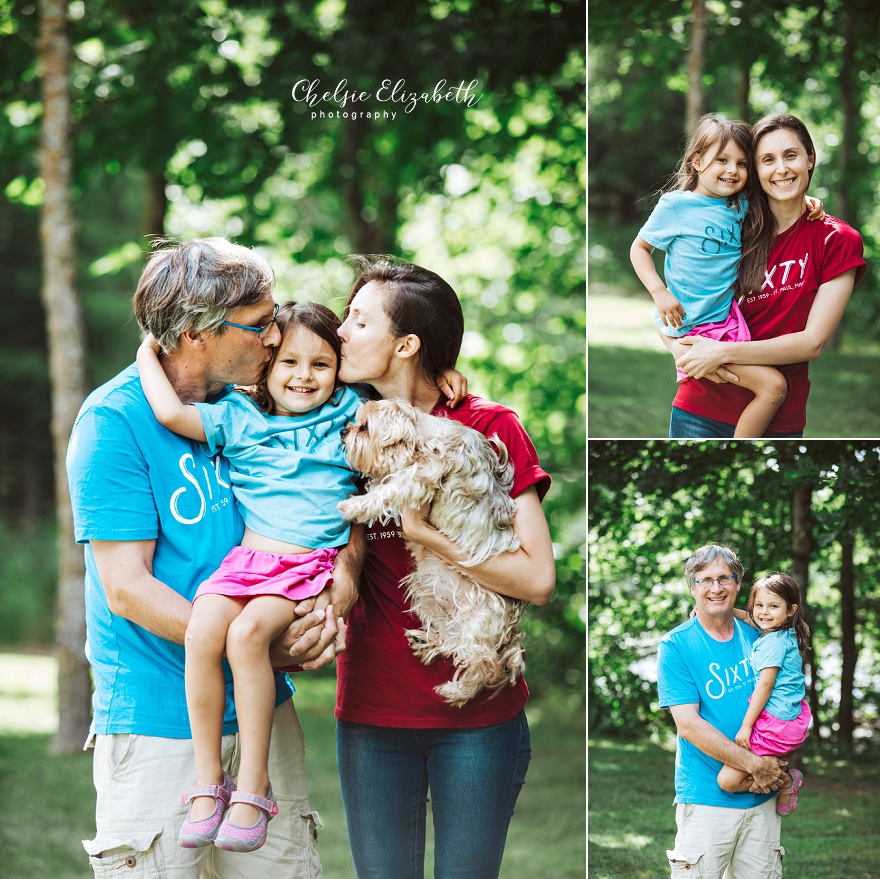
[{"x": 632, "y": 817}]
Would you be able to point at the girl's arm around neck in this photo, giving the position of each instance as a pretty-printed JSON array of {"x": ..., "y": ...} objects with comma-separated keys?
[
  {"x": 528, "y": 574},
  {"x": 743, "y": 617},
  {"x": 170, "y": 412}
]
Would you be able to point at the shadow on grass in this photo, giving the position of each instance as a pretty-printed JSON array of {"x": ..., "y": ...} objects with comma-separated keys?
[
  {"x": 832, "y": 834},
  {"x": 631, "y": 392}
]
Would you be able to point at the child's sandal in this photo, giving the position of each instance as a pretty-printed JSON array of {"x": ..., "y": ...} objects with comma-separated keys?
[
  {"x": 797, "y": 779},
  {"x": 233, "y": 838},
  {"x": 194, "y": 834}
]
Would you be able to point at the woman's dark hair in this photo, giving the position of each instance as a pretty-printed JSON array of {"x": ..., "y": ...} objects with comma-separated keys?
[
  {"x": 314, "y": 317},
  {"x": 759, "y": 226},
  {"x": 787, "y": 589},
  {"x": 416, "y": 302}
]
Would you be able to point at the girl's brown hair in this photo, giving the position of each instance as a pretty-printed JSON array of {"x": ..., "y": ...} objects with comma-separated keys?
[
  {"x": 314, "y": 317},
  {"x": 759, "y": 226},
  {"x": 787, "y": 589},
  {"x": 711, "y": 132}
]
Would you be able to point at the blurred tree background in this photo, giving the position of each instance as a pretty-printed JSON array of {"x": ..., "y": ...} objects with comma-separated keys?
[
  {"x": 653, "y": 65},
  {"x": 184, "y": 124},
  {"x": 807, "y": 508}
]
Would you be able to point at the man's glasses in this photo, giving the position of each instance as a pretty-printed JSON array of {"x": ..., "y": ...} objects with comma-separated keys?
[
  {"x": 260, "y": 330},
  {"x": 706, "y": 582}
]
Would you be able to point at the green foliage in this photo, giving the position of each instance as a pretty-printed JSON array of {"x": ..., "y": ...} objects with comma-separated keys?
[
  {"x": 189, "y": 107},
  {"x": 27, "y": 583},
  {"x": 653, "y": 503}
]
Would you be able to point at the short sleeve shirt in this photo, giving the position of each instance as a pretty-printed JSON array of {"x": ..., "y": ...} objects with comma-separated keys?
[
  {"x": 288, "y": 474},
  {"x": 701, "y": 238},
  {"x": 380, "y": 680},
  {"x": 695, "y": 669},
  {"x": 132, "y": 480},
  {"x": 803, "y": 258},
  {"x": 780, "y": 650}
]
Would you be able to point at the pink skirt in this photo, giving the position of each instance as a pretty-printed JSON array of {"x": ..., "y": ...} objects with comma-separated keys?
[
  {"x": 734, "y": 329},
  {"x": 772, "y": 737},
  {"x": 246, "y": 573}
]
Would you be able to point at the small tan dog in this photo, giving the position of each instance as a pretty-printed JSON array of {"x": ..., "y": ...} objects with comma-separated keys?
[{"x": 410, "y": 459}]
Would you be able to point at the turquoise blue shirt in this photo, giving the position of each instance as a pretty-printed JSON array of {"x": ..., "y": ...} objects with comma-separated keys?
[
  {"x": 131, "y": 479},
  {"x": 701, "y": 238},
  {"x": 780, "y": 650},
  {"x": 695, "y": 669},
  {"x": 288, "y": 474}
]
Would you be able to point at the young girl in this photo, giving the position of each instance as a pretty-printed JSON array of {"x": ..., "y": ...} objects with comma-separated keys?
[
  {"x": 778, "y": 718},
  {"x": 698, "y": 225},
  {"x": 288, "y": 473}
]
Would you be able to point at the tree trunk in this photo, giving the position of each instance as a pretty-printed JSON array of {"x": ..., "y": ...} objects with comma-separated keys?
[
  {"x": 155, "y": 204},
  {"x": 849, "y": 649},
  {"x": 64, "y": 330},
  {"x": 801, "y": 550},
  {"x": 849, "y": 110},
  {"x": 696, "y": 65},
  {"x": 368, "y": 234},
  {"x": 742, "y": 93}
]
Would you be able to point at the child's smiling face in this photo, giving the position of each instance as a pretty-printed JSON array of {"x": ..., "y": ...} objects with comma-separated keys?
[
  {"x": 303, "y": 375},
  {"x": 721, "y": 173},
  {"x": 769, "y": 610}
]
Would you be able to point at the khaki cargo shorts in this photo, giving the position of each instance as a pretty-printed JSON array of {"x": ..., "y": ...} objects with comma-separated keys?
[{"x": 140, "y": 780}]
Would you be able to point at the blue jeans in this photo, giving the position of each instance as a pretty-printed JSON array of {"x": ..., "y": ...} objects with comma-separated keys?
[
  {"x": 686, "y": 425},
  {"x": 474, "y": 776}
]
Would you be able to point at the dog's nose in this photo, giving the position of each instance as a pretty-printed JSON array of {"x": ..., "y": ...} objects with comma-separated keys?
[{"x": 343, "y": 432}]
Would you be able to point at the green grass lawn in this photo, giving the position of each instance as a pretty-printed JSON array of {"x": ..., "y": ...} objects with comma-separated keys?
[
  {"x": 49, "y": 802},
  {"x": 631, "y": 378},
  {"x": 832, "y": 835}
]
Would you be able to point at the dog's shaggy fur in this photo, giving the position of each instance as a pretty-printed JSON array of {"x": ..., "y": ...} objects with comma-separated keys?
[{"x": 410, "y": 459}]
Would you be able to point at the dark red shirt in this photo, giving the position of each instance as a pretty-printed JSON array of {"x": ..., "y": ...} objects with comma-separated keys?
[
  {"x": 804, "y": 257},
  {"x": 380, "y": 681}
]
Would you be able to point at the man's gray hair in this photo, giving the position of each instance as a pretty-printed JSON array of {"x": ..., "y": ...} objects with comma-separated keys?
[
  {"x": 194, "y": 286},
  {"x": 710, "y": 553}
]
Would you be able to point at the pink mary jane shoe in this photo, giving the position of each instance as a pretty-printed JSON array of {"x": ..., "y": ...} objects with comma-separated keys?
[
  {"x": 797, "y": 779},
  {"x": 194, "y": 834},
  {"x": 233, "y": 838}
]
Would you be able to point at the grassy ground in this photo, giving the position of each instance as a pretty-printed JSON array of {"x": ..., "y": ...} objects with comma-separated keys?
[
  {"x": 631, "y": 378},
  {"x": 49, "y": 801},
  {"x": 832, "y": 835}
]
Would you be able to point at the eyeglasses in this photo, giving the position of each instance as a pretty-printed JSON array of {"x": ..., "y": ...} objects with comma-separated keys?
[
  {"x": 706, "y": 582},
  {"x": 260, "y": 330}
]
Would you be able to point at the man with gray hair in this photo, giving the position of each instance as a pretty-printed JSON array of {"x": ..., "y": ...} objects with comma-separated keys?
[
  {"x": 156, "y": 515},
  {"x": 705, "y": 680}
]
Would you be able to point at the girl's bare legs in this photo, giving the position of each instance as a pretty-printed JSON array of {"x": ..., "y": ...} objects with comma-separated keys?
[
  {"x": 247, "y": 648},
  {"x": 206, "y": 689},
  {"x": 769, "y": 387}
]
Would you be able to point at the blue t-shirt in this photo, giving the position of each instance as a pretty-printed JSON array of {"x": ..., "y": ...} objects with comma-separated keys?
[
  {"x": 695, "y": 669},
  {"x": 780, "y": 650},
  {"x": 701, "y": 238},
  {"x": 131, "y": 479},
  {"x": 288, "y": 473}
]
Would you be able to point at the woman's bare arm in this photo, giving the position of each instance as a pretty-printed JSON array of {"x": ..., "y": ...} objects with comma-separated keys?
[
  {"x": 529, "y": 573},
  {"x": 705, "y": 356}
]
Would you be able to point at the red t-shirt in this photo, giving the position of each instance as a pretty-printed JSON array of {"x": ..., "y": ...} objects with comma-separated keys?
[
  {"x": 804, "y": 257},
  {"x": 380, "y": 680}
]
